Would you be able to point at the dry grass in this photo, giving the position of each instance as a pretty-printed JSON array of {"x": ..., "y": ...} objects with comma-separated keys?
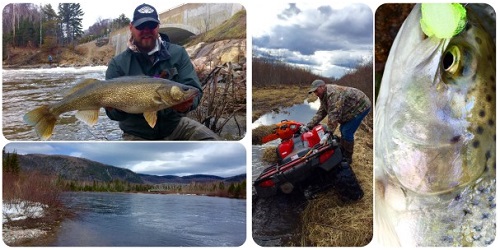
[
  {"x": 33, "y": 187},
  {"x": 267, "y": 99},
  {"x": 328, "y": 221},
  {"x": 260, "y": 132},
  {"x": 38, "y": 188}
]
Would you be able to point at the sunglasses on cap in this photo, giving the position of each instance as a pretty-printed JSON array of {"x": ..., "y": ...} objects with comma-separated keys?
[{"x": 149, "y": 25}]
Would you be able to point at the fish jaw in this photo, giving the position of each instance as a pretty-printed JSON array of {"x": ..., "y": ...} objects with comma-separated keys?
[{"x": 172, "y": 95}]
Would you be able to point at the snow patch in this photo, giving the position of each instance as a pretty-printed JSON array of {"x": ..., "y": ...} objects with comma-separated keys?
[{"x": 21, "y": 210}]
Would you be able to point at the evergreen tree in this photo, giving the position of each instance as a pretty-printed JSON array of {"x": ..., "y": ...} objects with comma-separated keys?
[
  {"x": 120, "y": 22},
  {"x": 70, "y": 15},
  {"x": 14, "y": 164},
  {"x": 49, "y": 28}
]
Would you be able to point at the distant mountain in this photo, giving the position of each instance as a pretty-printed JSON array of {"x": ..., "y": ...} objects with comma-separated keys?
[
  {"x": 81, "y": 169},
  {"x": 155, "y": 179},
  {"x": 74, "y": 168},
  {"x": 236, "y": 178}
]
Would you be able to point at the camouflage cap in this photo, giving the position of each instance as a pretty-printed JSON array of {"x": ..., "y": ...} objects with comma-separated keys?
[{"x": 315, "y": 84}]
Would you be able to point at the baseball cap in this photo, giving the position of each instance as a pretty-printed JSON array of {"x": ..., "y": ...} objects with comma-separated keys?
[
  {"x": 315, "y": 84},
  {"x": 145, "y": 13}
]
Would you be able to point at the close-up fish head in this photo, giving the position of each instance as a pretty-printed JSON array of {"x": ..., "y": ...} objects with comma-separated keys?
[
  {"x": 436, "y": 107},
  {"x": 172, "y": 94}
]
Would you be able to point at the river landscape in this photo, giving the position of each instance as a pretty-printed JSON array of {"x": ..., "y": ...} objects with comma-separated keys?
[{"x": 119, "y": 219}]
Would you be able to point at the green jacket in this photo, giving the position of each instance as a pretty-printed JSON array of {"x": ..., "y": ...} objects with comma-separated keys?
[{"x": 171, "y": 62}]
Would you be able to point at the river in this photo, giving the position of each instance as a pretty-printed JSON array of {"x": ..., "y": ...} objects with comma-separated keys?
[
  {"x": 26, "y": 89},
  {"x": 124, "y": 219}
]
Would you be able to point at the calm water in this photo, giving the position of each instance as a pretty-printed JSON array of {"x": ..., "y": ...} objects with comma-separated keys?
[
  {"x": 118, "y": 219},
  {"x": 300, "y": 113},
  {"x": 276, "y": 221},
  {"x": 26, "y": 89}
]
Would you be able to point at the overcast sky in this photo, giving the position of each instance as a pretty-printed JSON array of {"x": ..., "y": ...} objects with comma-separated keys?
[
  {"x": 330, "y": 39},
  {"x": 223, "y": 159},
  {"x": 109, "y": 9}
]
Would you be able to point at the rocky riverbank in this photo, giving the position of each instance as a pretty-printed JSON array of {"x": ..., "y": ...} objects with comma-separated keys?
[
  {"x": 30, "y": 224},
  {"x": 205, "y": 56}
]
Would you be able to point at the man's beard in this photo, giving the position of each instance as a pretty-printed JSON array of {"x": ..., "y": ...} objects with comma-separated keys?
[{"x": 145, "y": 45}]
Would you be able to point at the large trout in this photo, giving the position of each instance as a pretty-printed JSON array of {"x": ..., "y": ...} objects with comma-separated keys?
[
  {"x": 435, "y": 137},
  {"x": 132, "y": 94}
]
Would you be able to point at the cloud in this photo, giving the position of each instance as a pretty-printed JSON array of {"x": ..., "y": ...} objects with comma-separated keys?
[
  {"x": 165, "y": 158},
  {"x": 303, "y": 30}
]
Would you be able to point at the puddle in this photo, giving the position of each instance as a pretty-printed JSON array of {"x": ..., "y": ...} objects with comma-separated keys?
[{"x": 276, "y": 220}]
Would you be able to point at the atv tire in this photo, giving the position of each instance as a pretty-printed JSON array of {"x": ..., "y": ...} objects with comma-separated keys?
[{"x": 347, "y": 184}]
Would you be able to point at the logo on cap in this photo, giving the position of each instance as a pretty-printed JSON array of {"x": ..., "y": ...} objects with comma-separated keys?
[{"x": 146, "y": 10}]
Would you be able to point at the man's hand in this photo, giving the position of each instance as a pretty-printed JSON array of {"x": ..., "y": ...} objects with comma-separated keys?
[{"x": 183, "y": 107}]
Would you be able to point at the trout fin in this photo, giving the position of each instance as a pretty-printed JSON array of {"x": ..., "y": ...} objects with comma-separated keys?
[
  {"x": 88, "y": 116},
  {"x": 150, "y": 118},
  {"x": 80, "y": 85},
  {"x": 43, "y": 121},
  {"x": 385, "y": 232}
]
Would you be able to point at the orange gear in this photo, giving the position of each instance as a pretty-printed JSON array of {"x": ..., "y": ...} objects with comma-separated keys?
[{"x": 284, "y": 130}]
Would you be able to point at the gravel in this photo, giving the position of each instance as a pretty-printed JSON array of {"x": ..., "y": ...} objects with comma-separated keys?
[{"x": 15, "y": 235}]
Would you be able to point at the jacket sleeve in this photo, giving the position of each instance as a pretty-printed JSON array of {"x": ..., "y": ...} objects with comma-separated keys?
[
  {"x": 335, "y": 110},
  {"x": 114, "y": 71},
  {"x": 188, "y": 76},
  {"x": 320, "y": 114}
]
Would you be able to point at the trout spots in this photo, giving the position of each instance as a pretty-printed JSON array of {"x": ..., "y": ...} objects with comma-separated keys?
[
  {"x": 480, "y": 130},
  {"x": 467, "y": 212},
  {"x": 455, "y": 139},
  {"x": 482, "y": 113},
  {"x": 479, "y": 41},
  {"x": 491, "y": 122},
  {"x": 475, "y": 144},
  {"x": 447, "y": 239},
  {"x": 489, "y": 98}
]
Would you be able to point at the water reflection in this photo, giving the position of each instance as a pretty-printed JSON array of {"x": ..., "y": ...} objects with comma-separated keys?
[
  {"x": 276, "y": 220},
  {"x": 299, "y": 112}
]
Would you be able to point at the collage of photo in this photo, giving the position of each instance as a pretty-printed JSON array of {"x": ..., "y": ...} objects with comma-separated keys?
[{"x": 244, "y": 124}]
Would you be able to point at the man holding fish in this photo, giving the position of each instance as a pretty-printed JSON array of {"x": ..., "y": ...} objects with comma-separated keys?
[
  {"x": 151, "y": 53},
  {"x": 149, "y": 88}
]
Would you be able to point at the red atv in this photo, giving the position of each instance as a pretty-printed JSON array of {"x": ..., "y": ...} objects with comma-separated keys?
[{"x": 310, "y": 161}]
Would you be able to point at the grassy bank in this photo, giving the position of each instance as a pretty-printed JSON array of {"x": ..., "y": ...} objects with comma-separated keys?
[{"x": 26, "y": 191}]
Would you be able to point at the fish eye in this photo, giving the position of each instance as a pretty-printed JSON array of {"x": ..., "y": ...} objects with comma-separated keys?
[
  {"x": 458, "y": 62},
  {"x": 450, "y": 59}
]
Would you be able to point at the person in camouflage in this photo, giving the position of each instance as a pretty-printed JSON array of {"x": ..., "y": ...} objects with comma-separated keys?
[{"x": 346, "y": 106}]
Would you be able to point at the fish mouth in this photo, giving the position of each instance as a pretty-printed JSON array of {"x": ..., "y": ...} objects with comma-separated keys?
[{"x": 192, "y": 93}]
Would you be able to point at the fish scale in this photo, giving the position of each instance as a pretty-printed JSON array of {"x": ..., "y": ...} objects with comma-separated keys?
[{"x": 435, "y": 136}]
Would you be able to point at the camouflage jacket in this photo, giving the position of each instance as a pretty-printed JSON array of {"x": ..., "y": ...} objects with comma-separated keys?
[{"x": 341, "y": 104}]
